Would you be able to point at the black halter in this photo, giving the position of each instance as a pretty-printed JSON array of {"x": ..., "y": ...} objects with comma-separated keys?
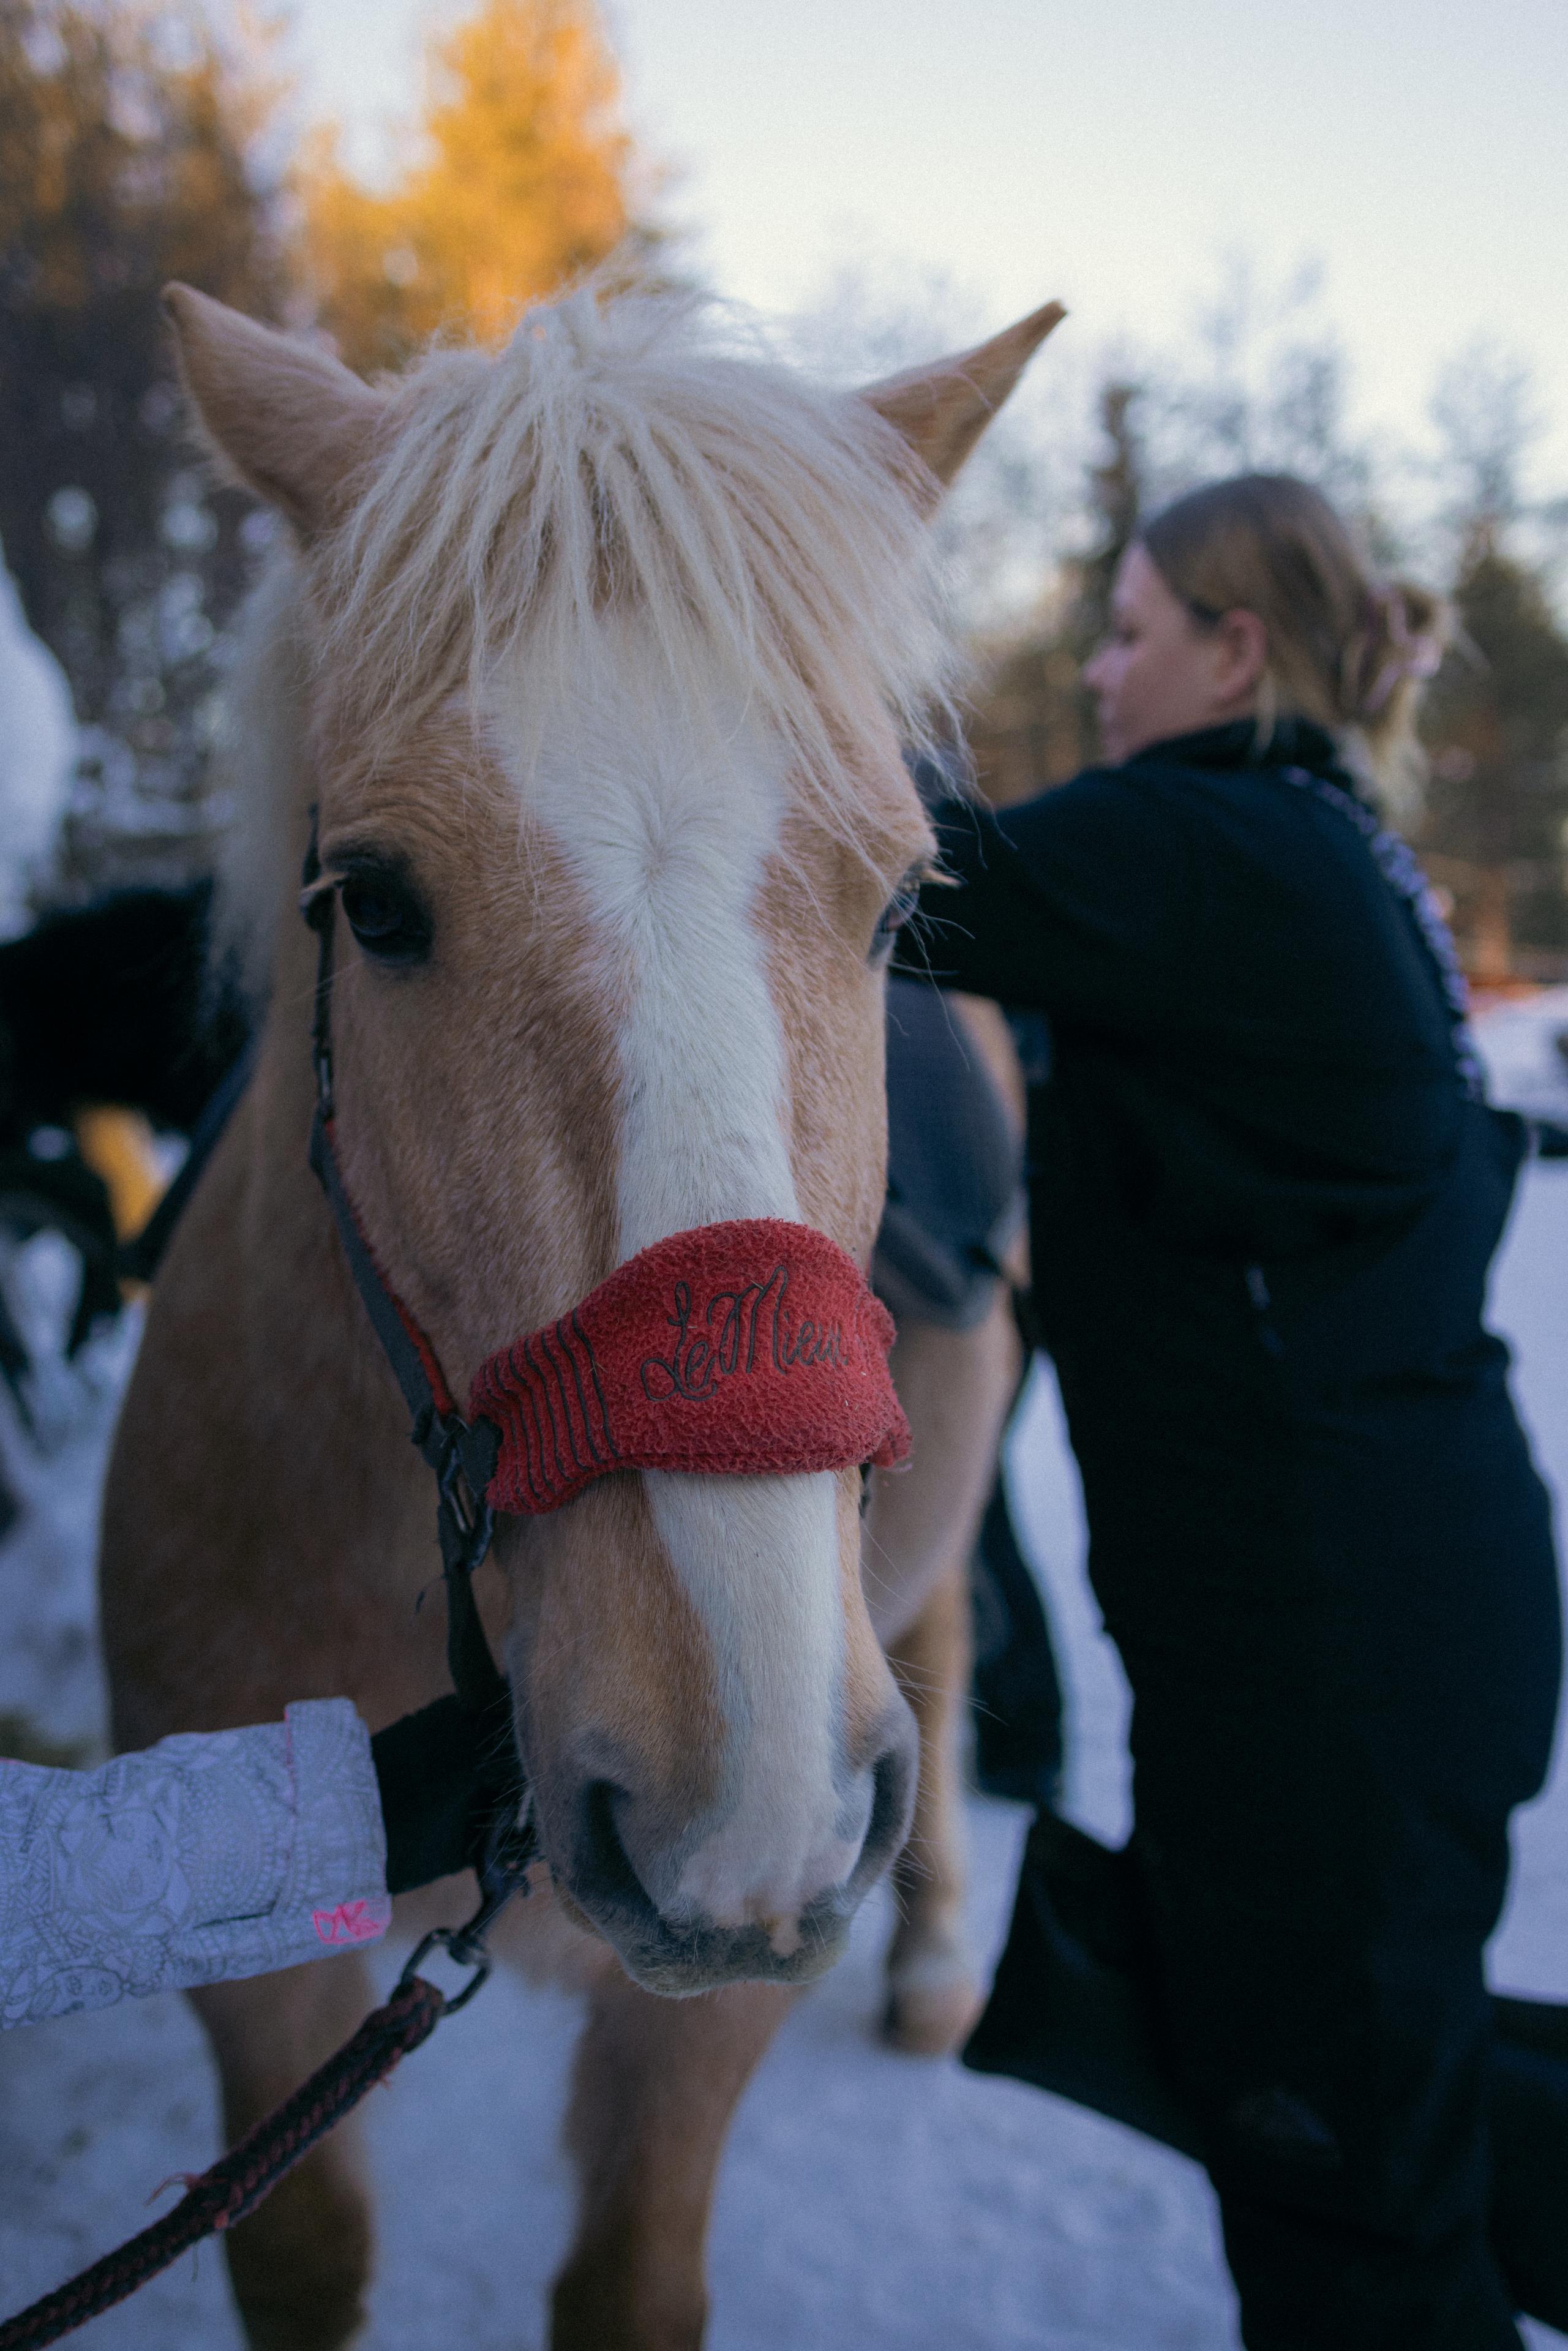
[{"x": 453, "y": 1792}]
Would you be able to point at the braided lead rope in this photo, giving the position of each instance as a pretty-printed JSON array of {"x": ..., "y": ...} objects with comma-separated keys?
[{"x": 239, "y": 2180}]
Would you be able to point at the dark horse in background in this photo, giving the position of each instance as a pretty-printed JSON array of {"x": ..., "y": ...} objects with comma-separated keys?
[{"x": 110, "y": 1027}]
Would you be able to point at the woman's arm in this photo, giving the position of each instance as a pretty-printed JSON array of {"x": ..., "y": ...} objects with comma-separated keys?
[
  {"x": 1073, "y": 904},
  {"x": 209, "y": 1856}
]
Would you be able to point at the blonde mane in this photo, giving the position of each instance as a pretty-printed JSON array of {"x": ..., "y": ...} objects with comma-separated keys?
[{"x": 620, "y": 455}]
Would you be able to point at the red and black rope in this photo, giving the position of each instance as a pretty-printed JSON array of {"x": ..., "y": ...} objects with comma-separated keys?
[{"x": 239, "y": 2180}]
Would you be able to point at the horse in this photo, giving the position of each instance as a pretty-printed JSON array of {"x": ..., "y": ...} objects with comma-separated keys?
[{"x": 588, "y": 666}]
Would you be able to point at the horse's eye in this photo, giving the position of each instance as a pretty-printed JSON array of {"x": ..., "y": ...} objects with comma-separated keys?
[
  {"x": 893, "y": 916},
  {"x": 386, "y": 914}
]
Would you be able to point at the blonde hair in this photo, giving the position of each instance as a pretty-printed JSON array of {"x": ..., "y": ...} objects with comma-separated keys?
[
  {"x": 620, "y": 450},
  {"x": 1346, "y": 649},
  {"x": 617, "y": 452}
]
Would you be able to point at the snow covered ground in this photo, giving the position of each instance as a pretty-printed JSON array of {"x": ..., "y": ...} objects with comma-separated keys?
[
  {"x": 867, "y": 2200},
  {"x": 1525, "y": 1047},
  {"x": 37, "y": 751}
]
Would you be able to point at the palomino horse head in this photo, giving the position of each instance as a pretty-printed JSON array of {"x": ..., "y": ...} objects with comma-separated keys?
[{"x": 595, "y": 656}]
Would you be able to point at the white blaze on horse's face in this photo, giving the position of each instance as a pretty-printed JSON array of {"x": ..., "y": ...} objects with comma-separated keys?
[
  {"x": 667, "y": 816},
  {"x": 667, "y": 811}
]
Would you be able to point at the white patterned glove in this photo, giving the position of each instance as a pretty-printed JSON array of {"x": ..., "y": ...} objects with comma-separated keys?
[{"x": 210, "y": 1857}]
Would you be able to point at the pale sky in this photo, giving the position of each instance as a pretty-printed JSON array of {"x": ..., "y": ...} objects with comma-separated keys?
[{"x": 1107, "y": 151}]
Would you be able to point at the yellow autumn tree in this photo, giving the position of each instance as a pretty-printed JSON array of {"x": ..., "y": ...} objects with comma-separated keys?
[{"x": 520, "y": 180}]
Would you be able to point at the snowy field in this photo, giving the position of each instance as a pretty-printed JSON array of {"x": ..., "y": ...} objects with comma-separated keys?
[{"x": 867, "y": 2200}]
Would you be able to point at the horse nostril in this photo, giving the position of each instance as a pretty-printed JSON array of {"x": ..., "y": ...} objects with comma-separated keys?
[
  {"x": 603, "y": 1862},
  {"x": 891, "y": 1803}
]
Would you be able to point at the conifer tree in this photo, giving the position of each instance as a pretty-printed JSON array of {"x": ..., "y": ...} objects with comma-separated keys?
[
  {"x": 523, "y": 181},
  {"x": 1495, "y": 823},
  {"x": 1494, "y": 828},
  {"x": 1034, "y": 724}
]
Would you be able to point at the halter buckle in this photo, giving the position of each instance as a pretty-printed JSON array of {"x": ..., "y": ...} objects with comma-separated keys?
[
  {"x": 509, "y": 1848},
  {"x": 457, "y": 1943}
]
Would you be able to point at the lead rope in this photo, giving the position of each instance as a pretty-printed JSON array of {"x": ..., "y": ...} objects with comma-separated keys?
[
  {"x": 237, "y": 2183},
  {"x": 462, "y": 1457}
]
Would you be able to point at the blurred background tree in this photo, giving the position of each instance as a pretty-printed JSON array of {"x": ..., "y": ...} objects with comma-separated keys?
[
  {"x": 136, "y": 145},
  {"x": 522, "y": 178},
  {"x": 125, "y": 160},
  {"x": 1493, "y": 828},
  {"x": 1034, "y": 722}
]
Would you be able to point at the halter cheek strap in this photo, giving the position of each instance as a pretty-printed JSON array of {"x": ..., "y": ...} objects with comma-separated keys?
[{"x": 495, "y": 1834}]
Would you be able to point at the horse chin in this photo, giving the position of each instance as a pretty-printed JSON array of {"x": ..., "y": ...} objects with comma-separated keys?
[{"x": 678, "y": 1962}]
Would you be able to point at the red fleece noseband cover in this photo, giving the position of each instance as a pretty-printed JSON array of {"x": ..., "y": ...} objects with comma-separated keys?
[{"x": 753, "y": 1346}]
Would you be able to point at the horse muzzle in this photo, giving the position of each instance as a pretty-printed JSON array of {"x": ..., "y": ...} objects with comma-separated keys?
[{"x": 786, "y": 1930}]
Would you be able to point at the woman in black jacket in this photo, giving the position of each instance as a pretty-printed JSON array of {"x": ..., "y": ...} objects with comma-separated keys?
[{"x": 1265, "y": 1197}]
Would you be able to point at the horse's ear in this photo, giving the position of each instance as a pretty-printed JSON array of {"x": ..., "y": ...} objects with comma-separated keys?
[
  {"x": 289, "y": 422},
  {"x": 942, "y": 410}
]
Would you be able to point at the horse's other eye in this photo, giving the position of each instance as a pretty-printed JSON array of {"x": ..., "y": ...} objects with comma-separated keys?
[
  {"x": 386, "y": 914},
  {"x": 893, "y": 916}
]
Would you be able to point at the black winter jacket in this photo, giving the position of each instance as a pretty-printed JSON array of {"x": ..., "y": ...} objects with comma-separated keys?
[
  {"x": 1256, "y": 1099},
  {"x": 1264, "y": 1201}
]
